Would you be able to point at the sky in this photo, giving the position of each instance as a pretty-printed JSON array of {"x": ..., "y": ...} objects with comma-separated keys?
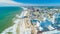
[
  {"x": 29, "y": 2},
  {"x": 39, "y": 1}
]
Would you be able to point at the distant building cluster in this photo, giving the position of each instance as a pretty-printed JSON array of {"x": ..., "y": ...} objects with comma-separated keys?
[{"x": 45, "y": 19}]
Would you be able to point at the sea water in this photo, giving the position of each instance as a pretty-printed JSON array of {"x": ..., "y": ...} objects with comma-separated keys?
[{"x": 6, "y": 16}]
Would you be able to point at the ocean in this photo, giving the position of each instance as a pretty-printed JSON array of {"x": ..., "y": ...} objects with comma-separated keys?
[{"x": 6, "y": 16}]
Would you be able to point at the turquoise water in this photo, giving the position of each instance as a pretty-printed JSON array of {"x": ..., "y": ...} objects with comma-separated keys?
[{"x": 6, "y": 16}]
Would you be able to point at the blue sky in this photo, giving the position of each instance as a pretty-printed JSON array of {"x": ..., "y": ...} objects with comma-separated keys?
[
  {"x": 29, "y": 2},
  {"x": 39, "y": 1}
]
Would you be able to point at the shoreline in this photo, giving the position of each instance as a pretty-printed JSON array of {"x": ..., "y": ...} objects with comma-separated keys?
[{"x": 16, "y": 22}]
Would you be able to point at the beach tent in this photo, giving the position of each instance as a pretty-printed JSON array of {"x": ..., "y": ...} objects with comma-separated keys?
[{"x": 34, "y": 22}]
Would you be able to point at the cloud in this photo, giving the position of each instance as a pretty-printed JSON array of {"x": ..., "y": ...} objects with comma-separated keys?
[
  {"x": 13, "y": 3},
  {"x": 9, "y": 3}
]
